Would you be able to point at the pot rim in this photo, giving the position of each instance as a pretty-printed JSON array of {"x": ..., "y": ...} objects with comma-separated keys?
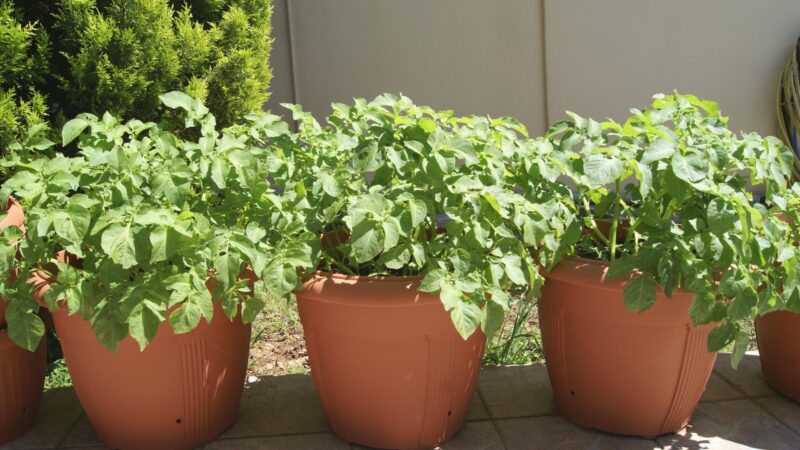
[
  {"x": 571, "y": 275},
  {"x": 367, "y": 278}
]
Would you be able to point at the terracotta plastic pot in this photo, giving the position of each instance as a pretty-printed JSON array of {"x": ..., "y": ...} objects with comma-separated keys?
[
  {"x": 14, "y": 217},
  {"x": 778, "y": 333},
  {"x": 630, "y": 373},
  {"x": 21, "y": 385},
  {"x": 181, "y": 392},
  {"x": 390, "y": 368}
]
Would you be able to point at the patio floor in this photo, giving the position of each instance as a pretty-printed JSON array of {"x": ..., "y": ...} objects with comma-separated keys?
[{"x": 512, "y": 409}]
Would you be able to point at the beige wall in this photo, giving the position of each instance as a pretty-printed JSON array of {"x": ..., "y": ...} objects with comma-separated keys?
[
  {"x": 535, "y": 58},
  {"x": 473, "y": 56}
]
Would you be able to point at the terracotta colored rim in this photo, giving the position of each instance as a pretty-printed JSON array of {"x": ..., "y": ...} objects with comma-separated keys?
[
  {"x": 582, "y": 271},
  {"x": 344, "y": 276}
]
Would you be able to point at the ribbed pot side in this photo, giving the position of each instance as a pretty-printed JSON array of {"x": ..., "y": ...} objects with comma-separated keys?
[
  {"x": 778, "y": 334},
  {"x": 181, "y": 392},
  {"x": 611, "y": 369},
  {"x": 21, "y": 385},
  {"x": 16, "y": 218},
  {"x": 390, "y": 368}
]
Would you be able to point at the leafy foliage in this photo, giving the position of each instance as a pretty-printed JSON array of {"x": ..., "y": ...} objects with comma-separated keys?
[
  {"x": 665, "y": 199},
  {"x": 162, "y": 227},
  {"x": 61, "y": 58},
  {"x": 402, "y": 189},
  {"x": 23, "y": 58}
]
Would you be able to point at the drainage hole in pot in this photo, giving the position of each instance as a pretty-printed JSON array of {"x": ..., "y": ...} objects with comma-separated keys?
[{"x": 178, "y": 421}]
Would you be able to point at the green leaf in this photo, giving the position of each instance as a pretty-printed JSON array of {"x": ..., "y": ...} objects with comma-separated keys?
[
  {"x": 639, "y": 294},
  {"x": 466, "y": 317},
  {"x": 219, "y": 172},
  {"x": 366, "y": 242},
  {"x": 702, "y": 309},
  {"x": 658, "y": 150},
  {"x": 25, "y": 327},
  {"x": 391, "y": 233},
  {"x": 721, "y": 216},
  {"x": 144, "y": 321},
  {"x": 601, "y": 170},
  {"x": 72, "y": 130},
  {"x": 513, "y": 267},
  {"x": 691, "y": 168},
  {"x": 418, "y": 211},
  {"x": 186, "y": 317},
  {"x": 622, "y": 267},
  {"x": 118, "y": 243},
  {"x": 432, "y": 281},
  {"x": 278, "y": 278},
  {"x": 450, "y": 296},
  {"x": 739, "y": 347},
  {"x": 164, "y": 243},
  {"x": 493, "y": 319},
  {"x": 721, "y": 336},
  {"x": 73, "y": 224},
  {"x": 743, "y": 305},
  {"x": 176, "y": 99}
]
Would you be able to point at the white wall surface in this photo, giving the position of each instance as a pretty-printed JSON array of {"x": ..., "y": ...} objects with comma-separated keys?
[
  {"x": 473, "y": 56},
  {"x": 604, "y": 57},
  {"x": 534, "y": 59}
]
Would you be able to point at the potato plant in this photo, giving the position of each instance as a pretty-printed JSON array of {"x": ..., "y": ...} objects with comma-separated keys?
[
  {"x": 403, "y": 189},
  {"x": 150, "y": 218},
  {"x": 666, "y": 198}
]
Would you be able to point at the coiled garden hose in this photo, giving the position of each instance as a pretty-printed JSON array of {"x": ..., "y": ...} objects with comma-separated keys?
[{"x": 788, "y": 106}]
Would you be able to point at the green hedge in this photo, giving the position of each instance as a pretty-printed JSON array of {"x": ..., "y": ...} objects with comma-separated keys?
[{"x": 59, "y": 58}]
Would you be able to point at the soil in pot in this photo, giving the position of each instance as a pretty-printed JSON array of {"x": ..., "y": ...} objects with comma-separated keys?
[
  {"x": 777, "y": 334},
  {"x": 390, "y": 368},
  {"x": 611, "y": 369},
  {"x": 21, "y": 385}
]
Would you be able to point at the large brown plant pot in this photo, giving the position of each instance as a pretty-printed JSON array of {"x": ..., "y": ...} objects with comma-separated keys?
[
  {"x": 390, "y": 368},
  {"x": 21, "y": 384},
  {"x": 181, "y": 392},
  {"x": 611, "y": 369},
  {"x": 16, "y": 218},
  {"x": 778, "y": 334}
]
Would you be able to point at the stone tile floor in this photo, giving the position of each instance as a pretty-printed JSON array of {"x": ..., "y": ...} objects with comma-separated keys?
[{"x": 512, "y": 409}]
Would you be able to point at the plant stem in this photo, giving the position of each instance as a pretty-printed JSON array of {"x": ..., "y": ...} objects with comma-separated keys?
[
  {"x": 614, "y": 223},
  {"x": 593, "y": 224}
]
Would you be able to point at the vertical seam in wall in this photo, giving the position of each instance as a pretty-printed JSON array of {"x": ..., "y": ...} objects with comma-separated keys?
[
  {"x": 295, "y": 96},
  {"x": 544, "y": 66}
]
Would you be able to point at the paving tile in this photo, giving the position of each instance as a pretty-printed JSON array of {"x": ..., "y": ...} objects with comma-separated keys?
[
  {"x": 94, "y": 447},
  {"x": 475, "y": 435},
  {"x": 317, "y": 441},
  {"x": 516, "y": 391},
  {"x": 548, "y": 432},
  {"x": 719, "y": 389},
  {"x": 747, "y": 376},
  {"x": 477, "y": 410},
  {"x": 732, "y": 424},
  {"x": 81, "y": 435},
  {"x": 275, "y": 405},
  {"x": 59, "y": 411},
  {"x": 785, "y": 409}
]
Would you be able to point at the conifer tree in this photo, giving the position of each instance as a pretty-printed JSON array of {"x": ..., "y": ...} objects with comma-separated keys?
[{"x": 59, "y": 58}]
